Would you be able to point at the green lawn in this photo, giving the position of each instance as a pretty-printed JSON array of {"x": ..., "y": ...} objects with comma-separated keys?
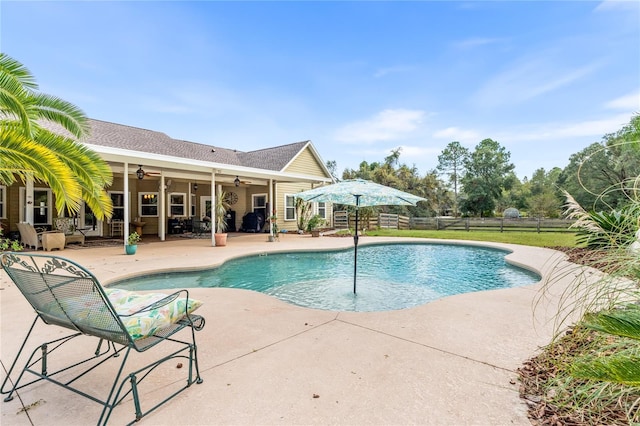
[{"x": 543, "y": 239}]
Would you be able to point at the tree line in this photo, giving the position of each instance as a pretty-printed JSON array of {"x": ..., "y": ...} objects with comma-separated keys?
[{"x": 482, "y": 183}]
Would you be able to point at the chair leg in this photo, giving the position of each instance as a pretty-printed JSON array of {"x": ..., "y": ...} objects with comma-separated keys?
[
  {"x": 13, "y": 364},
  {"x": 103, "y": 353},
  {"x": 135, "y": 378},
  {"x": 45, "y": 350}
]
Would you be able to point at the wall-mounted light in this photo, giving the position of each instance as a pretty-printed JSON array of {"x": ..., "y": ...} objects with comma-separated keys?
[
  {"x": 140, "y": 172},
  {"x": 195, "y": 186},
  {"x": 236, "y": 181}
]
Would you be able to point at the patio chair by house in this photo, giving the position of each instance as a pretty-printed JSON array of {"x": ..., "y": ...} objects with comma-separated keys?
[
  {"x": 117, "y": 228},
  {"x": 29, "y": 237},
  {"x": 71, "y": 234},
  {"x": 201, "y": 227},
  {"x": 64, "y": 294}
]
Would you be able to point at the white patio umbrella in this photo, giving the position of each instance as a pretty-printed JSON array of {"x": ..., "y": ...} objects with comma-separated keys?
[{"x": 359, "y": 193}]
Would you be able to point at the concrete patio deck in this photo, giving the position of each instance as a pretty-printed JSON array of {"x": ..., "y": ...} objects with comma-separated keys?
[{"x": 264, "y": 362}]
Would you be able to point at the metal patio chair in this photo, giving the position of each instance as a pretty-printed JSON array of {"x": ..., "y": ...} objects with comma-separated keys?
[{"x": 65, "y": 294}]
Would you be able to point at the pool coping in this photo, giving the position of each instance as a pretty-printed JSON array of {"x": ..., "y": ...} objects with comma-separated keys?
[{"x": 451, "y": 361}]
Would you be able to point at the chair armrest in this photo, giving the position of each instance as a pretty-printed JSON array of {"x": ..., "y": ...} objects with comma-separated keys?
[
  {"x": 160, "y": 303},
  {"x": 142, "y": 312},
  {"x": 166, "y": 301}
]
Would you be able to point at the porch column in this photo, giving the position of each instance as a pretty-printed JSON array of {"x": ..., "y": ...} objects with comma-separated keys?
[
  {"x": 28, "y": 200},
  {"x": 213, "y": 210},
  {"x": 127, "y": 207},
  {"x": 272, "y": 207},
  {"x": 162, "y": 213}
]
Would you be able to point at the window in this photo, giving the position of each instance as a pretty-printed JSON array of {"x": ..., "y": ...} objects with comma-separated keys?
[
  {"x": 205, "y": 206},
  {"x": 117, "y": 199},
  {"x": 177, "y": 204},
  {"x": 322, "y": 210},
  {"x": 259, "y": 201},
  {"x": 193, "y": 205},
  {"x": 148, "y": 204},
  {"x": 41, "y": 206},
  {"x": 259, "y": 204},
  {"x": 289, "y": 207},
  {"x": 3, "y": 202}
]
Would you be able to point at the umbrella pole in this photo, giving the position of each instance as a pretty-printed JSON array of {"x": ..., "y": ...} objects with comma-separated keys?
[{"x": 355, "y": 248}]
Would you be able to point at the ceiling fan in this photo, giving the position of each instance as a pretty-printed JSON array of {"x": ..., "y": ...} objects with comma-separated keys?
[
  {"x": 142, "y": 173},
  {"x": 237, "y": 182}
]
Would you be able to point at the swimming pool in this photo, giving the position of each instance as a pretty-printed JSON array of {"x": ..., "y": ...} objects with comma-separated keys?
[{"x": 390, "y": 276}]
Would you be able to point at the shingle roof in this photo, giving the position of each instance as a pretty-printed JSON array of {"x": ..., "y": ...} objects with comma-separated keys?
[
  {"x": 275, "y": 158},
  {"x": 114, "y": 135}
]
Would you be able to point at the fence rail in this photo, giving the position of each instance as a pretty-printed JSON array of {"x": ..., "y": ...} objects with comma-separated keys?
[
  {"x": 342, "y": 220},
  {"x": 495, "y": 224}
]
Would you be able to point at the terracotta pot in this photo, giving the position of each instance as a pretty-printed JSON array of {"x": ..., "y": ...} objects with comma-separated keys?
[{"x": 220, "y": 239}]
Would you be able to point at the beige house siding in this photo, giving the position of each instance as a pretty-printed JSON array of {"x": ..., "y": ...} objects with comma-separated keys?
[
  {"x": 285, "y": 189},
  {"x": 306, "y": 163},
  {"x": 12, "y": 208},
  {"x": 240, "y": 207}
]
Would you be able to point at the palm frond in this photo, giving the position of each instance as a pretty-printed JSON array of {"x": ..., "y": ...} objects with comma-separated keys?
[
  {"x": 72, "y": 171},
  {"x": 620, "y": 322},
  {"x": 12, "y": 101},
  {"x": 17, "y": 70},
  {"x": 27, "y": 158},
  {"x": 56, "y": 110},
  {"x": 623, "y": 368}
]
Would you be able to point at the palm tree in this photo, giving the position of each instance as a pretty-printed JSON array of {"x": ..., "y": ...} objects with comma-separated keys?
[
  {"x": 30, "y": 149},
  {"x": 611, "y": 232}
]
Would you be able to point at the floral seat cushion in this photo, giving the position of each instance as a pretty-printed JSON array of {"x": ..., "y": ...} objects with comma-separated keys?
[
  {"x": 127, "y": 304},
  {"x": 144, "y": 324}
]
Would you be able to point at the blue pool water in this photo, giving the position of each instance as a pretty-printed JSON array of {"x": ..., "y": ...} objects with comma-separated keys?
[{"x": 390, "y": 276}]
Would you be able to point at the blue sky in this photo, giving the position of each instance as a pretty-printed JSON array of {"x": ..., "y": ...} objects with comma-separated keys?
[{"x": 544, "y": 78}]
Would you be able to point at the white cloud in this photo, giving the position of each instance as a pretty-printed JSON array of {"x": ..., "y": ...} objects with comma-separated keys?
[
  {"x": 391, "y": 70},
  {"x": 627, "y": 102},
  {"x": 608, "y": 5},
  {"x": 416, "y": 151},
  {"x": 387, "y": 125},
  {"x": 594, "y": 129},
  {"x": 457, "y": 134},
  {"x": 528, "y": 80},
  {"x": 470, "y": 43}
]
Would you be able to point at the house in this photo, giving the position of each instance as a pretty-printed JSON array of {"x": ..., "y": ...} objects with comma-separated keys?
[{"x": 161, "y": 184}]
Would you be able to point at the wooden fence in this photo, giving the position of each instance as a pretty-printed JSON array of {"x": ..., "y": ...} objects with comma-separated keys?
[{"x": 342, "y": 220}]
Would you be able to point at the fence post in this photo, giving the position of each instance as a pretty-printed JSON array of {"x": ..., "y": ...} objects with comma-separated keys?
[
  {"x": 467, "y": 224},
  {"x": 538, "y": 225},
  {"x": 501, "y": 224}
]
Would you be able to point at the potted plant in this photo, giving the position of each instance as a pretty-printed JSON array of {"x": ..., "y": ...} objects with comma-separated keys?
[
  {"x": 273, "y": 236},
  {"x": 314, "y": 224},
  {"x": 221, "y": 206},
  {"x": 132, "y": 243}
]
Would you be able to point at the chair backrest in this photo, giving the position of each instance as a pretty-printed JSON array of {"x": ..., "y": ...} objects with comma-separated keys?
[
  {"x": 28, "y": 234},
  {"x": 64, "y": 224},
  {"x": 66, "y": 294}
]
